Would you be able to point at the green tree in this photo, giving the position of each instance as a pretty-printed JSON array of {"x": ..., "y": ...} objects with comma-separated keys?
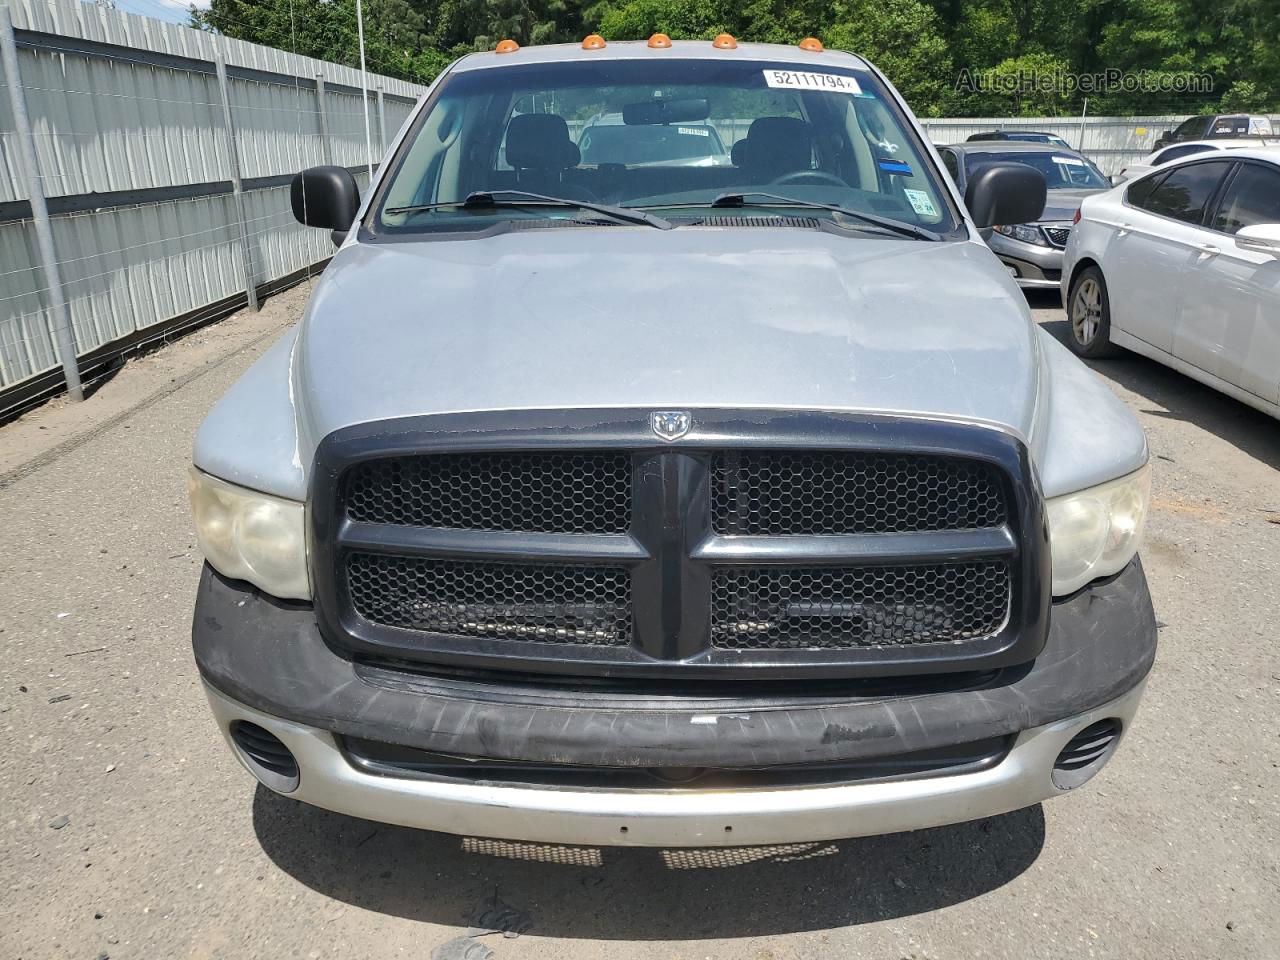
[
  {"x": 921, "y": 45},
  {"x": 903, "y": 38}
]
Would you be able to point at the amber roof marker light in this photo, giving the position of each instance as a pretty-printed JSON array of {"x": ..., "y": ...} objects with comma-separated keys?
[
  {"x": 593, "y": 41},
  {"x": 812, "y": 44},
  {"x": 506, "y": 46},
  {"x": 725, "y": 41},
  {"x": 660, "y": 41}
]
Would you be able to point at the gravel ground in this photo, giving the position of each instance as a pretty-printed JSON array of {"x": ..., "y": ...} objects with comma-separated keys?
[{"x": 130, "y": 831}]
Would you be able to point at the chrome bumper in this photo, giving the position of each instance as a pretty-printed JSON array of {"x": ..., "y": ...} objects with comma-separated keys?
[{"x": 673, "y": 818}]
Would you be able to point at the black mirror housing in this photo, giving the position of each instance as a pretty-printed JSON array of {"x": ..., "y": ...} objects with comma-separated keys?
[
  {"x": 325, "y": 197},
  {"x": 1005, "y": 193}
]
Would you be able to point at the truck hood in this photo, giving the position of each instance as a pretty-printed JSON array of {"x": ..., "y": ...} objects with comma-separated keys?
[{"x": 621, "y": 317}]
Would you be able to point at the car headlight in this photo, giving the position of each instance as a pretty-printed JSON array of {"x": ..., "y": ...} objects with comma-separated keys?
[
  {"x": 1025, "y": 233},
  {"x": 1095, "y": 532},
  {"x": 247, "y": 535}
]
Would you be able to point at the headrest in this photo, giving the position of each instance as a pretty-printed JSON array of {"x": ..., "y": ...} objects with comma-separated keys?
[
  {"x": 738, "y": 152},
  {"x": 778, "y": 145},
  {"x": 540, "y": 141}
]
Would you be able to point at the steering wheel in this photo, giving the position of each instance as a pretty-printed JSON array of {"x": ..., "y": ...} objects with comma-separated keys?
[{"x": 810, "y": 176}]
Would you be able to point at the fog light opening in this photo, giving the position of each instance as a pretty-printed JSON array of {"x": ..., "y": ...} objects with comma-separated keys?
[
  {"x": 266, "y": 756},
  {"x": 1086, "y": 753}
]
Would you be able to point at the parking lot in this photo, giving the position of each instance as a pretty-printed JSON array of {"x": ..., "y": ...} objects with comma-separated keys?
[{"x": 131, "y": 832}]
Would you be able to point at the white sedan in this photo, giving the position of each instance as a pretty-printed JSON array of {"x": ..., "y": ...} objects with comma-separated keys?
[
  {"x": 1177, "y": 151},
  {"x": 1183, "y": 265}
]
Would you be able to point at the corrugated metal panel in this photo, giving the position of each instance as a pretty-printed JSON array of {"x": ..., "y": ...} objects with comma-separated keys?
[
  {"x": 111, "y": 124},
  {"x": 277, "y": 127},
  {"x": 90, "y": 22},
  {"x": 103, "y": 125}
]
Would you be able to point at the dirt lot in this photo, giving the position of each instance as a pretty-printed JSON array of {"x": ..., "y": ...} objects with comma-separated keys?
[{"x": 130, "y": 831}]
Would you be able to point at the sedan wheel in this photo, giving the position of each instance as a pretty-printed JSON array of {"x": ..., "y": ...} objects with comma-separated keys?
[
  {"x": 1086, "y": 312},
  {"x": 1089, "y": 312}
]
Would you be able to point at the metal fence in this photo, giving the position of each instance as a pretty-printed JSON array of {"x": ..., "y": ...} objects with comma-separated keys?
[
  {"x": 163, "y": 156},
  {"x": 1110, "y": 142}
]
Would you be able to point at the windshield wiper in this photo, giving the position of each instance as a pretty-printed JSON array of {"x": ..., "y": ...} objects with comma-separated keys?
[
  {"x": 485, "y": 199},
  {"x": 897, "y": 226}
]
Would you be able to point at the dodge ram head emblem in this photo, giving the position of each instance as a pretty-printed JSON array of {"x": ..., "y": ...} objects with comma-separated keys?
[{"x": 670, "y": 424}]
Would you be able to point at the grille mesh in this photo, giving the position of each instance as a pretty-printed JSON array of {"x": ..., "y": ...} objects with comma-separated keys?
[
  {"x": 1058, "y": 236},
  {"x": 525, "y": 492},
  {"x": 784, "y": 608},
  {"x": 775, "y": 493},
  {"x": 541, "y": 603}
]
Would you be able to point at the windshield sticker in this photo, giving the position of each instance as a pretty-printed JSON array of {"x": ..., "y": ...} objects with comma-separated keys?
[
  {"x": 801, "y": 80},
  {"x": 693, "y": 131},
  {"x": 920, "y": 203},
  {"x": 1070, "y": 161},
  {"x": 895, "y": 166}
]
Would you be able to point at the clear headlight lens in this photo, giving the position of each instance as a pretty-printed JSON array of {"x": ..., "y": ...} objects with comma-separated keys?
[
  {"x": 1095, "y": 532},
  {"x": 251, "y": 536},
  {"x": 1025, "y": 233}
]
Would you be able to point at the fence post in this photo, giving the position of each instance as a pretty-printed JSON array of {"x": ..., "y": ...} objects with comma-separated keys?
[
  {"x": 237, "y": 184},
  {"x": 326, "y": 148},
  {"x": 39, "y": 210},
  {"x": 1084, "y": 116},
  {"x": 382, "y": 124}
]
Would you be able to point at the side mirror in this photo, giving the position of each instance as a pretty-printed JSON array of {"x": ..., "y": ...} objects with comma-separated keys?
[
  {"x": 1262, "y": 238},
  {"x": 1005, "y": 193},
  {"x": 325, "y": 197}
]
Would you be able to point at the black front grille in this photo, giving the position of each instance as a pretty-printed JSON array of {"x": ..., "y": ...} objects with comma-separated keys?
[
  {"x": 764, "y": 544},
  {"x": 779, "y": 493},
  {"x": 540, "y": 603},
  {"x": 1058, "y": 236},
  {"x": 523, "y": 492},
  {"x": 820, "y": 607}
]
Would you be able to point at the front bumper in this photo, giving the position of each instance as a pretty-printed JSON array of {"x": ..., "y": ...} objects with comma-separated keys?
[
  {"x": 673, "y": 818},
  {"x": 264, "y": 663}
]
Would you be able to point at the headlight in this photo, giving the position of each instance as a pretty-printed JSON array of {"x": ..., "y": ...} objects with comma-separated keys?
[
  {"x": 1095, "y": 532},
  {"x": 1025, "y": 233},
  {"x": 251, "y": 536}
]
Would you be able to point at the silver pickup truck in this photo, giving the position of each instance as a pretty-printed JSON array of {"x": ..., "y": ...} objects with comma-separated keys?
[{"x": 662, "y": 503}]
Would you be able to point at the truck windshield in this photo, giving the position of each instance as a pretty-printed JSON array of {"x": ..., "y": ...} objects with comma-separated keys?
[{"x": 660, "y": 134}]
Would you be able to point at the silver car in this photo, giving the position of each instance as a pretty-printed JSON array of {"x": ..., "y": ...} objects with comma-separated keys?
[
  {"x": 669, "y": 505},
  {"x": 1032, "y": 251}
]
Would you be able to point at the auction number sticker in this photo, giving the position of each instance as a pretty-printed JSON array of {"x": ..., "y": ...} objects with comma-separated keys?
[{"x": 802, "y": 80}]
